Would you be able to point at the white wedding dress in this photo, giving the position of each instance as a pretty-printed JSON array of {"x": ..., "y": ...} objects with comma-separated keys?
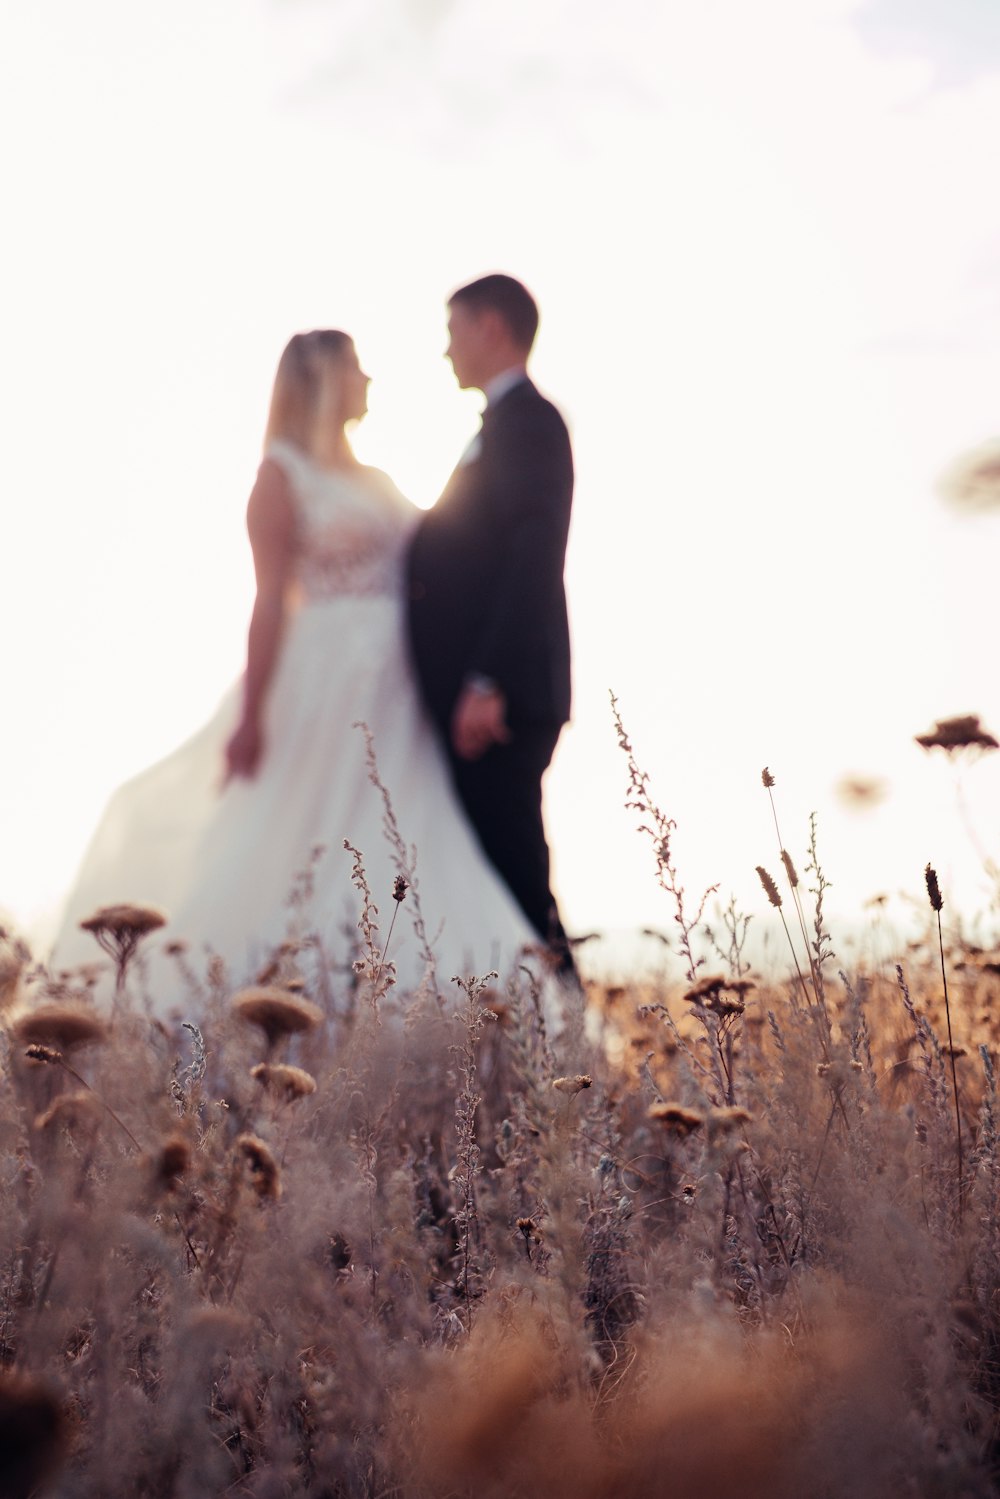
[{"x": 223, "y": 864}]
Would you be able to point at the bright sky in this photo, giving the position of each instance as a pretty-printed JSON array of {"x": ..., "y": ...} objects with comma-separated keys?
[{"x": 765, "y": 241}]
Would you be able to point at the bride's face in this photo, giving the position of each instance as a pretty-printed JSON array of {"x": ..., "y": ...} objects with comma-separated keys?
[{"x": 343, "y": 395}]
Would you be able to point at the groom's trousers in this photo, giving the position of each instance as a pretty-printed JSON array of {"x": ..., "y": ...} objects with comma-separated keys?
[{"x": 502, "y": 794}]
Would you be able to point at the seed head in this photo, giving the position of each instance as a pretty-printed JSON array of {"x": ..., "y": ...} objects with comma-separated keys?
[
  {"x": 767, "y": 778},
  {"x": 293, "y": 1082},
  {"x": 705, "y": 988},
  {"x": 572, "y": 1085},
  {"x": 676, "y": 1118},
  {"x": 43, "y": 1054},
  {"x": 172, "y": 1161},
  {"x": 965, "y": 732},
  {"x": 120, "y": 929},
  {"x": 59, "y": 1026},
  {"x": 725, "y": 1120},
  {"x": 933, "y": 888},
  {"x": 786, "y": 859},
  {"x": 264, "y": 1173},
  {"x": 275, "y": 1011},
  {"x": 770, "y": 888},
  {"x": 400, "y": 885}
]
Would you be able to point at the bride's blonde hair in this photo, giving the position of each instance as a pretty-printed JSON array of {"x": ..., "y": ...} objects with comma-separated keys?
[{"x": 295, "y": 396}]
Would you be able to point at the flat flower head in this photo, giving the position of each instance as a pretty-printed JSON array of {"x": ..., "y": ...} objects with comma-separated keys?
[
  {"x": 277, "y": 1012},
  {"x": 963, "y": 732},
  {"x": 60, "y": 1026},
  {"x": 290, "y": 1082},
  {"x": 124, "y": 920}
]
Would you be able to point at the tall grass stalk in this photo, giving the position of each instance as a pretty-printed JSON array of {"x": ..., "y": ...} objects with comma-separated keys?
[{"x": 937, "y": 902}]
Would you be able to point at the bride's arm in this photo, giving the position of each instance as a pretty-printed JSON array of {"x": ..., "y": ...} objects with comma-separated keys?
[{"x": 270, "y": 522}]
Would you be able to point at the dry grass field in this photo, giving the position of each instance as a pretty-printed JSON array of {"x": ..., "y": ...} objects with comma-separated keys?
[{"x": 730, "y": 1237}]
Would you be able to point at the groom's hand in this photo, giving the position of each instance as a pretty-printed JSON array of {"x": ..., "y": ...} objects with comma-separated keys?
[{"x": 478, "y": 722}]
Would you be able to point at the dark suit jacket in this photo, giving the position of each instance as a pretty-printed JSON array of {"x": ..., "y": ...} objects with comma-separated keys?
[{"x": 486, "y": 588}]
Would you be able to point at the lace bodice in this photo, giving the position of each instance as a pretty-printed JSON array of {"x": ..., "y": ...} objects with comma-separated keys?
[{"x": 352, "y": 528}]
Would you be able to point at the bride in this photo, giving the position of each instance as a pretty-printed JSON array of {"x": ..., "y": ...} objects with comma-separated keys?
[{"x": 239, "y": 835}]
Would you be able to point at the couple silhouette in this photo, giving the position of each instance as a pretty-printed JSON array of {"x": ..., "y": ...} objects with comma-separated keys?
[{"x": 443, "y": 633}]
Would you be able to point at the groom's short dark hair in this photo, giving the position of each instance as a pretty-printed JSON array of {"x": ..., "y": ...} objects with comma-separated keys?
[{"x": 509, "y": 298}]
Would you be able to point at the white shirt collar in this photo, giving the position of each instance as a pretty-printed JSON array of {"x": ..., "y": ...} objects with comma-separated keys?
[{"x": 495, "y": 389}]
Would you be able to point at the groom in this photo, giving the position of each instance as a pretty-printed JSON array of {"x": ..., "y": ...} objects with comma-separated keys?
[{"x": 488, "y": 622}]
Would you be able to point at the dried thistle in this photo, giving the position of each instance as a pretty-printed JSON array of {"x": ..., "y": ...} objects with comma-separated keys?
[
  {"x": 292, "y": 1082},
  {"x": 62, "y": 1027},
  {"x": 676, "y": 1117},
  {"x": 276, "y": 1012},
  {"x": 265, "y": 1175}
]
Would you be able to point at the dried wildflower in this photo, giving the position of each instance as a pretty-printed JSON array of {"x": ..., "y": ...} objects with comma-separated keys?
[
  {"x": 263, "y": 1168},
  {"x": 705, "y": 988},
  {"x": 400, "y": 885},
  {"x": 708, "y": 993},
  {"x": 724, "y": 1120},
  {"x": 118, "y": 930},
  {"x": 59, "y": 1026},
  {"x": 175, "y": 949},
  {"x": 293, "y": 1082},
  {"x": 770, "y": 888},
  {"x": 275, "y": 1011},
  {"x": 767, "y": 778},
  {"x": 72, "y": 1111},
  {"x": 676, "y": 1117},
  {"x": 43, "y": 1055},
  {"x": 964, "y": 732},
  {"x": 172, "y": 1161},
  {"x": 933, "y": 888},
  {"x": 786, "y": 859},
  {"x": 572, "y": 1085},
  {"x": 528, "y": 1229}
]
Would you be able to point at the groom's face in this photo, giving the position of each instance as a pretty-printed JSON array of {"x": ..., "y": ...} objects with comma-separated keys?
[{"x": 469, "y": 345}]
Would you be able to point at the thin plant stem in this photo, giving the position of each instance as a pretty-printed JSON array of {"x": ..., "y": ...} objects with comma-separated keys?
[{"x": 954, "y": 1071}]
